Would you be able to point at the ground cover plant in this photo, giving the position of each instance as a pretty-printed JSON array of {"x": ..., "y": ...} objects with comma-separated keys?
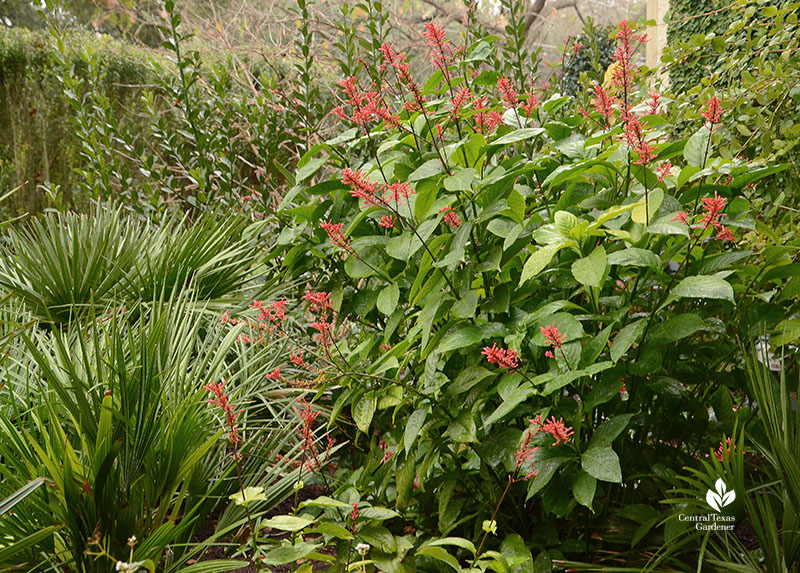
[{"x": 481, "y": 326}]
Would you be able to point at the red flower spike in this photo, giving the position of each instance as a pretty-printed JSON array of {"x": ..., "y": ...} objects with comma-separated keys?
[
  {"x": 507, "y": 92},
  {"x": 555, "y": 428},
  {"x": 275, "y": 374},
  {"x": 682, "y": 217},
  {"x": 387, "y": 221},
  {"x": 441, "y": 49},
  {"x": 726, "y": 449},
  {"x": 652, "y": 105},
  {"x": 725, "y": 234},
  {"x": 504, "y": 358},
  {"x": 664, "y": 170},
  {"x": 552, "y": 335},
  {"x": 318, "y": 301},
  {"x": 334, "y": 231},
  {"x": 713, "y": 111},
  {"x": 231, "y": 416}
]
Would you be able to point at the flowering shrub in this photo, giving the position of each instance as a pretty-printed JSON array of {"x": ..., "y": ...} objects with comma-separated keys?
[{"x": 590, "y": 257}]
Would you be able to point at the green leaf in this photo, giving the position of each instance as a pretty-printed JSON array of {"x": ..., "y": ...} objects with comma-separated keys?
[
  {"x": 602, "y": 463},
  {"x": 454, "y": 541},
  {"x": 468, "y": 377},
  {"x": 20, "y": 494},
  {"x": 440, "y": 554},
  {"x": 288, "y": 522},
  {"x": 539, "y": 260},
  {"x": 387, "y": 299},
  {"x": 462, "y": 430},
  {"x": 324, "y": 502},
  {"x": 461, "y": 180},
  {"x": 696, "y": 146},
  {"x": 310, "y": 168},
  {"x": 428, "y": 169},
  {"x": 215, "y": 566},
  {"x": 609, "y": 430},
  {"x": 516, "y": 398},
  {"x": 250, "y": 494},
  {"x": 583, "y": 489},
  {"x": 285, "y": 554},
  {"x": 333, "y": 529},
  {"x": 589, "y": 271},
  {"x": 461, "y": 338},
  {"x": 363, "y": 410},
  {"x": 378, "y": 513},
  {"x": 647, "y": 206},
  {"x": 595, "y": 347},
  {"x": 703, "y": 286},
  {"x": 676, "y": 328},
  {"x": 634, "y": 257},
  {"x": 626, "y": 338},
  {"x": 518, "y": 135},
  {"x": 415, "y": 422},
  {"x": 379, "y": 537},
  {"x": 564, "y": 222}
]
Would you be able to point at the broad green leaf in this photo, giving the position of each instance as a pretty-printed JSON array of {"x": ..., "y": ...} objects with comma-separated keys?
[
  {"x": 609, "y": 430},
  {"x": 564, "y": 221},
  {"x": 634, "y": 257},
  {"x": 595, "y": 346},
  {"x": 288, "y": 522},
  {"x": 538, "y": 261},
  {"x": 248, "y": 495},
  {"x": 468, "y": 377},
  {"x": 387, "y": 299},
  {"x": 310, "y": 168},
  {"x": 379, "y": 537},
  {"x": 415, "y": 422},
  {"x": 626, "y": 337},
  {"x": 363, "y": 410},
  {"x": 561, "y": 380},
  {"x": 589, "y": 271},
  {"x": 676, "y": 328},
  {"x": 428, "y": 169},
  {"x": 583, "y": 489},
  {"x": 378, "y": 513},
  {"x": 518, "y": 135},
  {"x": 516, "y": 398},
  {"x": 325, "y": 502},
  {"x": 547, "y": 469},
  {"x": 602, "y": 463},
  {"x": 461, "y": 180},
  {"x": 698, "y": 148},
  {"x": 703, "y": 286},
  {"x": 455, "y": 541},
  {"x": 647, "y": 206},
  {"x": 440, "y": 554},
  {"x": 466, "y": 336},
  {"x": 285, "y": 554},
  {"x": 333, "y": 529},
  {"x": 462, "y": 430}
]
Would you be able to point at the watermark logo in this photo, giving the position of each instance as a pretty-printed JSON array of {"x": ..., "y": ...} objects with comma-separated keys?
[
  {"x": 717, "y": 498},
  {"x": 721, "y": 497}
]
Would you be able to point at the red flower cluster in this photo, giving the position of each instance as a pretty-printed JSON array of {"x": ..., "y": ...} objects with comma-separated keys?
[
  {"x": 306, "y": 432},
  {"x": 231, "y": 416},
  {"x": 555, "y": 428},
  {"x": 275, "y": 374},
  {"x": 458, "y": 102},
  {"x": 353, "y": 516},
  {"x": 634, "y": 136},
  {"x": 334, "y": 231},
  {"x": 652, "y": 105},
  {"x": 713, "y": 112},
  {"x": 398, "y": 63},
  {"x": 623, "y": 68},
  {"x": 504, "y": 358},
  {"x": 320, "y": 301},
  {"x": 664, "y": 170},
  {"x": 485, "y": 121},
  {"x": 442, "y": 50},
  {"x": 713, "y": 213},
  {"x": 374, "y": 193},
  {"x": 387, "y": 221},
  {"x": 604, "y": 103},
  {"x": 366, "y": 106},
  {"x": 507, "y": 92},
  {"x": 525, "y": 454},
  {"x": 451, "y": 217},
  {"x": 726, "y": 449}
]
